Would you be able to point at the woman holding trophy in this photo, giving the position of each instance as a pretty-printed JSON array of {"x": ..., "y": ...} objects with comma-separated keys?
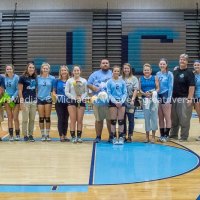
[{"x": 76, "y": 91}]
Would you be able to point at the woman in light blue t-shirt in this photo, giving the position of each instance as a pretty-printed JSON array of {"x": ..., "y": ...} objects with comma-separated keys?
[
  {"x": 12, "y": 104},
  {"x": 44, "y": 100},
  {"x": 166, "y": 80},
  {"x": 117, "y": 93}
]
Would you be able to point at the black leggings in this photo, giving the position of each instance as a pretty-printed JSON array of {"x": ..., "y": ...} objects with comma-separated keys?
[{"x": 63, "y": 116}]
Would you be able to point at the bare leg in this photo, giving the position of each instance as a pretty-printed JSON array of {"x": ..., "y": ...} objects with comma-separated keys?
[
  {"x": 16, "y": 116},
  {"x": 108, "y": 126},
  {"x": 41, "y": 112},
  {"x": 99, "y": 127},
  {"x": 120, "y": 117},
  {"x": 153, "y": 136},
  {"x": 47, "y": 114},
  {"x": 147, "y": 136},
  {"x": 73, "y": 117},
  {"x": 80, "y": 114},
  {"x": 113, "y": 116},
  {"x": 197, "y": 108}
]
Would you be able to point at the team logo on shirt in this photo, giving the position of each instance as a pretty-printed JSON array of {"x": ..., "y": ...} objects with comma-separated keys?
[
  {"x": 32, "y": 85},
  {"x": 44, "y": 83},
  {"x": 117, "y": 87},
  {"x": 181, "y": 76}
]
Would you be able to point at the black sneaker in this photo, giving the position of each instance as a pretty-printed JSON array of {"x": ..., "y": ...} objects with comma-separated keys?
[
  {"x": 110, "y": 139},
  {"x": 129, "y": 139},
  {"x": 66, "y": 139},
  {"x": 31, "y": 139},
  {"x": 17, "y": 138},
  {"x": 97, "y": 140},
  {"x": 26, "y": 138}
]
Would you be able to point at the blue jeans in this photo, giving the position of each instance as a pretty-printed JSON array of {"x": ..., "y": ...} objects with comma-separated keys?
[{"x": 131, "y": 122}]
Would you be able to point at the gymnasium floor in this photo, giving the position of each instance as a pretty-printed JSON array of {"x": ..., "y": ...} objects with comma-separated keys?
[{"x": 55, "y": 170}]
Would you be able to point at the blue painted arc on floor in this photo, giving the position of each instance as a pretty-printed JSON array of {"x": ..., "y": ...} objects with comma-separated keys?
[
  {"x": 124, "y": 164},
  {"x": 140, "y": 162}
]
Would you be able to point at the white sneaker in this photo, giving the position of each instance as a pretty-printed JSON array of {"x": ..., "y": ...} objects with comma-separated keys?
[
  {"x": 74, "y": 140},
  {"x": 79, "y": 140},
  {"x": 166, "y": 138},
  {"x": 48, "y": 139},
  {"x": 17, "y": 138},
  {"x": 11, "y": 139},
  {"x": 161, "y": 139},
  {"x": 43, "y": 138},
  {"x": 121, "y": 140},
  {"x": 115, "y": 140}
]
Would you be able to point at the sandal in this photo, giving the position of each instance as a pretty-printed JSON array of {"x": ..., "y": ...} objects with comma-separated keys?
[
  {"x": 146, "y": 141},
  {"x": 153, "y": 140}
]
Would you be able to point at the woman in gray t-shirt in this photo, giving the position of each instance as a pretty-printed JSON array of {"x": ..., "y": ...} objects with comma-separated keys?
[{"x": 132, "y": 88}]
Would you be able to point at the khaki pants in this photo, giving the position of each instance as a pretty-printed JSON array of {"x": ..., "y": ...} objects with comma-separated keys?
[
  {"x": 181, "y": 115},
  {"x": 101, "y": 112},
  {"x": 28, "y": 118}
]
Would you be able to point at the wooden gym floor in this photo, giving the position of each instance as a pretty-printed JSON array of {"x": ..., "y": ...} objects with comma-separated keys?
[{"x": 54, "y": 163}]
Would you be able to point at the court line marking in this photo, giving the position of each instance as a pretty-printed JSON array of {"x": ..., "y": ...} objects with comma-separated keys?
[{"x": 92, "y": 165}]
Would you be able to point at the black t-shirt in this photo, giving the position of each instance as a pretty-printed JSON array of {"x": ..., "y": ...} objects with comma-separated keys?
[
  {"x": 2, "y": 82},
  {"x": 183, "y": 79},
  {"x": 29, "y": 88}
]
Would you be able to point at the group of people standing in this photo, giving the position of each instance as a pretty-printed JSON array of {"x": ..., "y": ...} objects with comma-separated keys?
[
  {"x": 31, "y": 92},
  {"x": 167, "y": 96}
]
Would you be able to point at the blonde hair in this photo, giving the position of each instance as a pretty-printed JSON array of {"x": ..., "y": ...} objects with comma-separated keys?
[
  {"x": 44, "y": 64},
  {"x": 116, "y": 66},
  {"x": 147, "y": 65},
  {"x": 60, "y": 76},
  {"x": 13, "y": 68}
]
